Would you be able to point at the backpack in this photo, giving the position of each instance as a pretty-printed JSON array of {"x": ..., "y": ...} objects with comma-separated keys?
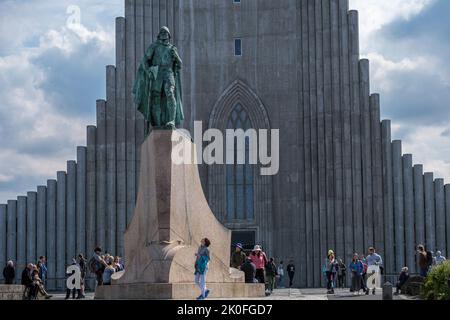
[{"x": 429, "y": 258}]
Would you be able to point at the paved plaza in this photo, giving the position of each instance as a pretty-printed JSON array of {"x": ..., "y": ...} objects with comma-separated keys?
[{"x": 295, "y": 294}]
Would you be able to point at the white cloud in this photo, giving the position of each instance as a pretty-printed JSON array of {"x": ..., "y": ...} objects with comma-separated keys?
[
  {"x": 36, "y": 133},
  {"x": 375, "y": 14},
  {"x": 428, "y": 147}
]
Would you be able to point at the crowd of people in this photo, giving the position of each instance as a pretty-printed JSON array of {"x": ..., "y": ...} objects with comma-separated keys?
[
  {"x": 34, "y": 276},
  {"x": 257, "y": 268},
  {"x": 335, "y": 270}
]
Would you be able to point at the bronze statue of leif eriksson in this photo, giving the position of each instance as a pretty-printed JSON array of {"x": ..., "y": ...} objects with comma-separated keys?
[{"x": 157, "y": 88}]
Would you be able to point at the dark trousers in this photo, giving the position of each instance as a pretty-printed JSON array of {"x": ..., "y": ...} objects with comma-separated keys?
[
  {"x": 341, "y": 281},
  {"x": 260, "y": 276},
  {"x": 73, "y": 291},
  {"x": 363, "y": 281},
  {"x": 424, "y": 272},
  {"x": 330, "y": 277},
  {"x": 99, "y": 276},
  {"x": 291, "y": 278}
]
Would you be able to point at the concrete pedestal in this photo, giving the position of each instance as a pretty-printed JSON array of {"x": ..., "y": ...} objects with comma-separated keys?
[
  {"x": 11, "y": 292},
  {"x": 144, "y": 291},
  {"x": 171, "y": 218}
]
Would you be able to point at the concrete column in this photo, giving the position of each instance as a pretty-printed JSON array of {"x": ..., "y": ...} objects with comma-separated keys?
[
  {"x": 111, "y": 178},
  {"x": 163, "y": 12},
  {"x": 148, "y": 24},
  {"x": 347, "y": 133},
  {"x": 121, "y": 132},
  {"x": 11, "y": 229},
  {"x": 299, "y": 217},
  {"x": 21, "y": 232},
  {"x": 430, "y": 212},
  {"x": 91, "y": 204},
  {"x": 337, "y": 130},
  {"x": 31, "y": 227},
  {"x": 157, "y": 23},
  {"x": 101, "y": 172},
  {"x": 140, "y": 30},
  {"x": 11, "y": 237},
  {"x": 388, "y": 192},
  {"x": 321, "y": 150},
  {"x": 170, "y": 14},
  {"x": 81, "y": 201},
  {"x": 419, "y": 205},
  {"x": 399, "y": 211},
  {"x": 366, "y": 153},
  {"x": 71, "y": 213},
  {"x": 130, "y": 20},
  {"x": 3, "y": 237},
  {"x": 317, "y": 254},
  {"x": 307, "y": 149},
  {"x": 439, "y": 196},
  {"x": 328, "y": 103},
  {"x": 51, "y": 233},
  {"x": 408, "y": 189},
  {"x": 447, "y": 217},
  {"x": 41, "y": 230},
  {"x": 377, "y": 173},
  {"x": 61, "y": 229},
  {"x": 356, "y": 132}
]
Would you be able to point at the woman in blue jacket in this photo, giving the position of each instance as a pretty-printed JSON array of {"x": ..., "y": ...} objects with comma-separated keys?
[
  {"x": 201, "y": 267},
  {"x": 356, "y": 268}
]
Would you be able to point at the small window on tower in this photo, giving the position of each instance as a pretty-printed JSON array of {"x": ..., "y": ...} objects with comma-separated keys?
[
  {"x": 237, "y": 1},
  {"x": 238, "y": 47}
]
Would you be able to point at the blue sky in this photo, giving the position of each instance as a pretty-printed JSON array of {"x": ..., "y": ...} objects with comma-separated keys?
[{"x": 52, "y": 72}]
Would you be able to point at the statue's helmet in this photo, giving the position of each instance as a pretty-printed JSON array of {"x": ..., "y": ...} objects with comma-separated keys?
[{"x": 164, "y": 29}]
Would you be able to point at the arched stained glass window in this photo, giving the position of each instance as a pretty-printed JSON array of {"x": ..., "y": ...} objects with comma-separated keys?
[{"x": 240, "y": 193}]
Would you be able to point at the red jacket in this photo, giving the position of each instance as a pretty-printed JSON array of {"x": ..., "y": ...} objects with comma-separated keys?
[{"x": 259, "y": 262}]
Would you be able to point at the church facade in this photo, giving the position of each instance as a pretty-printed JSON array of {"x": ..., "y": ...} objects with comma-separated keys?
[{"x": 291, "y": 65}]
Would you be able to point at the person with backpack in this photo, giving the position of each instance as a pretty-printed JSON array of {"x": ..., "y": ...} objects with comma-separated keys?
[
  {"x": 271, "y": 273},
  {"x": 201, "y": 268},
  {"x": 341, "y": 274},
  {"x": 97, "y": 265},
  {"x": 422, "y": 260},
  {"x": 330, "y": 271}
]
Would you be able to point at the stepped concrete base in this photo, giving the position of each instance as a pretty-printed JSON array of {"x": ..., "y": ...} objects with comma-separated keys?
[
  {"x": 11, "y": 292},
  {"x": 160, "y": 291}
]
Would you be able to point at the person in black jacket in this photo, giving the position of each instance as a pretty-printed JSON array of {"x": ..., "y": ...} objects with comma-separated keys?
[
  {"x": 27, "y": 281},
  {"x": 9, "y": 273},
  {"x": 291, "y": 272},
  {"x": 249, "y": 270},
  {"x": 404, "y": 276}
]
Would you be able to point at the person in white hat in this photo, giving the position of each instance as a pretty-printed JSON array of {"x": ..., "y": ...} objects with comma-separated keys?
[{"x": 259, "y": 259}]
